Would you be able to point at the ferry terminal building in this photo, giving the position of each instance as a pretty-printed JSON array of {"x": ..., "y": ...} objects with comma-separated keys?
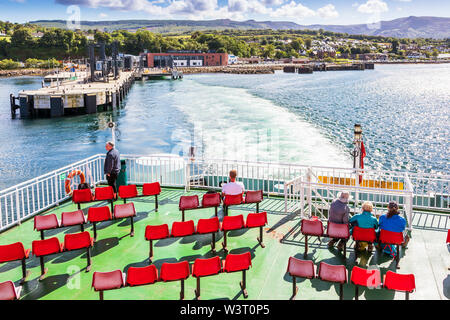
[{"x": 185, "y": 59}]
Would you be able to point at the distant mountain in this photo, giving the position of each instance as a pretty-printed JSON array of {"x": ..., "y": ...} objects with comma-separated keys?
[{"x": 410, "y": 27}]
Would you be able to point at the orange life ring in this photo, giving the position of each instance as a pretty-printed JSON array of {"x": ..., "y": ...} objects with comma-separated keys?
[{"x": 69, "y": 178}]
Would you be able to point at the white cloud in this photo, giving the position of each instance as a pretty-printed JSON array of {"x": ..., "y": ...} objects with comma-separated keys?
[
  {"x": 373, "y": 6},
  {"x": 102, "y": 15},
  {"x": 328, "y": 12},
  {"x": 293, "y": 10}
]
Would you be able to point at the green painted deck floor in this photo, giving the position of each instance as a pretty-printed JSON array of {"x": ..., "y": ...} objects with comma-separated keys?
[{"x": 427, "y": 257}]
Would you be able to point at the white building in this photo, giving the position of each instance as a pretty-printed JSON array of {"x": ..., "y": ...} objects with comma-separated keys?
[{"x": 232, "y": 59}]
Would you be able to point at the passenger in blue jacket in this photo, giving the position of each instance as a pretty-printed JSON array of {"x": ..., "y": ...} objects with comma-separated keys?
[
  {"x": 112, "y": 164},
  {"x": 364, "y": 220},
  {"x": 392, "y": 221}
]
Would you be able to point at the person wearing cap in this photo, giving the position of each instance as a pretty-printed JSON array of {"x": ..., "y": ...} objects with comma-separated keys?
[
  {"x": 392, "y": 221},
  {"x": 233, "y": 187},
  {"x": 112, "y": 164},
  {"x": 339, "y": 213}
]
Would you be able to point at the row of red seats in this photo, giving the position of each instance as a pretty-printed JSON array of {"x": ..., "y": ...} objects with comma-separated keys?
[
  {"x": 41, "y": 248},
  {"x": 205, "y": 226},
  {"x": 370, "y": 278},
  {"x": 314, "y": 227},
  {"x": 95, "y": 215},
  {"x": 107, "y": 194},
  {"x": 179, "y": 271}
]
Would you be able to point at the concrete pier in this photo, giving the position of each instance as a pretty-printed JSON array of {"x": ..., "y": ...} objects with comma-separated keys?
[{"x": 73, "y": 97}]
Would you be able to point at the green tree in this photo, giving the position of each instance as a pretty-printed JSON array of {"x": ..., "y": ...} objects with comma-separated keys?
[{"x": 22, "y": 38}]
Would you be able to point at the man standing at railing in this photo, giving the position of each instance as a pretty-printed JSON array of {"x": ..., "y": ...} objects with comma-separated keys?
[
  {"x": 112, "y": 165},
  {"x": 339, "y": 213}
]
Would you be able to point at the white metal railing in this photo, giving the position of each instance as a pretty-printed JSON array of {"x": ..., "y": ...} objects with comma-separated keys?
[{"x": 300, "y": 185}]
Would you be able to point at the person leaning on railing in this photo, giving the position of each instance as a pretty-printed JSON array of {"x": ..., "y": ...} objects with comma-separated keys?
[
  {"x": 112, "y": 165},
  {"x": 364, "y": 220},
  {"x": 339, "y": 213}
]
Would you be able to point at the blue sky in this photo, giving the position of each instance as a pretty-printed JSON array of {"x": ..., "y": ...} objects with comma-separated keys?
[{"x": 300, "y": 11}]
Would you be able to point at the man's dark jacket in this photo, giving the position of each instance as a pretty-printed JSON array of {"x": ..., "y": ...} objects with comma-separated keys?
[{"x": 112, "y": 162}]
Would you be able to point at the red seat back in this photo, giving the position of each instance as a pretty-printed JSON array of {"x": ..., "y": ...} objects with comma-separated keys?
[
  {"x": 332, "y": 273},
  {"x": 399, "y": 282},
  {"x": 254, "y": 196},
  {"x": 232, "y": 199},
  {"x": 124, "y": 210},
  {"x": 182, "y": 229},
  {"x": 107, "y": 280},
  {"x": 82, "y": 195},
  {"x": 46, "y": 222},
  {"x": 312, "y": 227},
  {"x": 104, "y": 193},
  {"x": 12, "y": 252},
  {"x": 129, "y": 191},
  {"x": 157, "y": 232},
  {"x": 237, "y": 262},
  {"x": 361, "y": 234},
  {"x": 232, "y": 222},
  {"x": 390, "y": 237},
  {"x": 46, "y": 247},
  {"x": 208, "y": 225},
  {"x": 151, "y": 189},
  {"x": 188, "y": 202},
  {"x": 142, "y": 276},
  {"x": 77, "y": 241},
  {"x": 97, "y": 214},
  {"x": 211, "y": 200},
  {"x": 338, "y": 230},
  {"x": 206, "y": 267},
  {"x": 255, "y": 220},
  {"x": 175, "y": 271},
  {"x": 8, "y": 291},
  {"x": 370, "y": 278},
  {"x": 72, "y": 218},
  {"x": 448, "y": 236},
  {"x": 301, "y": 268}
]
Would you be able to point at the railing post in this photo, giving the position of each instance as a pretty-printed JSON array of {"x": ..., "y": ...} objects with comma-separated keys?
[
  {"x": 187, "y": 187},
  {"x": 309, "y": 195}
]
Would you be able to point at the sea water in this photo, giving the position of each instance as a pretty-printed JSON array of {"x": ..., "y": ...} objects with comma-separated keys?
[{"x": 305, "y": 119}]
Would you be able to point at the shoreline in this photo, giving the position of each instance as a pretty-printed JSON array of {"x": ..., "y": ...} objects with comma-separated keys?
[{"x": 233, "y": 69}]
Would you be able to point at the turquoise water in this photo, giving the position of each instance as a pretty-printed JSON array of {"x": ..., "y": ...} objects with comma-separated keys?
[{"x": 307, "y": 119}]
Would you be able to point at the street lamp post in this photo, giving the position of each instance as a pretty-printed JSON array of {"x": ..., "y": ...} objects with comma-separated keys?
[{"x": 356, "y": 153}]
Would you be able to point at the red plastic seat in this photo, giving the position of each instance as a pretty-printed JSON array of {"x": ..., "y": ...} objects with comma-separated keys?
[
  {"x": 210, "y": 200},
  {"x": 205, "y": 268},
  {"x": 156, "y": 233},
  {"x": 99, "y": 214},
  {"x": 339, "y": 231},
  {"x": 231, "y": 200},
  {"x": 211, "y": 225},
  {"x": 182, "y": 229},
  {"x": 187, "y": 203},
  {"x": 102, "y": 281},
  {"x": 46, "y": 222},
  {"x": 152, "y": 189},
  {"x": 230, "y": 223},
  {"x": 15, "y": 251},
  {"x": 362, "y": 234},
  {"x": 448, "y": 236},
  {"x": 257, "y": 220},
  {"x": 388, "y": 238},
  {"x": 238, "y": 262},
  {"x": 8, "y": 291},
  {"x": 399, "y": 282},
  {"x": 370, "y": 278},
  {"x": 74, "y": 218},
  {"x": 127, "y": 192},
  {"x": 311, "y": 227},
  {"x": 82, "y": 196},
  {"x": 141, "y": 276},
  {"x": 254, "y": 197},
  {"x": 126, "y": 210},
  {"x": 42, "y": 248},
  {"x": 333, "y": 273},
  {"x": 104, "y": 193},
  {"x": 78, "y": 241},
  {"x": 178, "y": 271},
  {"x": 301, "y": 269}
]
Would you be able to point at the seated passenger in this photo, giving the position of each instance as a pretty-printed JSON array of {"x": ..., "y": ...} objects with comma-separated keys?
[
  {"x": 338, "y": 213},
  {"x": 364, "y": 220},
  {"x": 233, "y": 187},
  {"x": 392, "y": 221}
]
